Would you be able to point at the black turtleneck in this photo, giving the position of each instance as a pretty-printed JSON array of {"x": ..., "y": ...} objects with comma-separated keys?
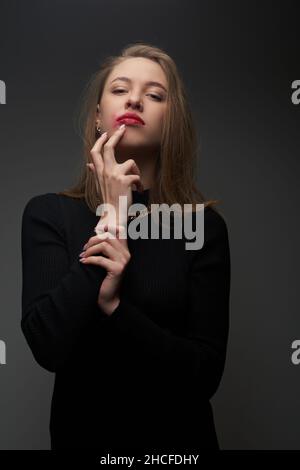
[{"x": 143, "y": 377}]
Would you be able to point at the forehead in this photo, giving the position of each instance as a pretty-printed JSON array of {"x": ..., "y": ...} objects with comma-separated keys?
[{"x": 139, "y": 69}]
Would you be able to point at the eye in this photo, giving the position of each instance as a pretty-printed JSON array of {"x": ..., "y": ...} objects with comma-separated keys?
[
  {"x": 156, "y": 96},
  {"x": 151, "y": 94}
]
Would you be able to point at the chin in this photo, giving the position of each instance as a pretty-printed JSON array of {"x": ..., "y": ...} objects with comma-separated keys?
[{"x": 133, "y": 140}]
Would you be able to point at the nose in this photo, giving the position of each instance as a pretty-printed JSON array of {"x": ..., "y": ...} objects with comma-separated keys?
[{"x": 135, "y": 103}]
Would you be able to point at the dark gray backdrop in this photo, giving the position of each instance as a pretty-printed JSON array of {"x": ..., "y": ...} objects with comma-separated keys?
[{"x": 238, "y": 60}]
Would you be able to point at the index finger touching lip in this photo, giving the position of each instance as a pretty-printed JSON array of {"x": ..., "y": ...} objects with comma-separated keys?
[{"x": 117, "y": 134}]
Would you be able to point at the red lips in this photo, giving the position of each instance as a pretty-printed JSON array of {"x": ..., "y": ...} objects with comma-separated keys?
[{"x": 131, "y": 116}]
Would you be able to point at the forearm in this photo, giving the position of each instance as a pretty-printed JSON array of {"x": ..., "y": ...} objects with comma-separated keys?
[{"x": 58, "y": 299}]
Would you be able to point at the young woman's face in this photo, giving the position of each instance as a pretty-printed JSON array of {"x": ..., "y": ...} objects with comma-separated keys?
[{"x": 135, "y": 95}]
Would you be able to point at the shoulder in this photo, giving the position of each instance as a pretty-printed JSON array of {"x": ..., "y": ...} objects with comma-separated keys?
[
  {"x": 215, "y": 226},
  {"x": 44, "y": 210},
  {"x": 212, "y": 222},
  {"x": 51, "y": 200},
  {"x": 54, "y": 211},
  {"x": 42, "y": 204},
  {"x": 215, "y": 246}
]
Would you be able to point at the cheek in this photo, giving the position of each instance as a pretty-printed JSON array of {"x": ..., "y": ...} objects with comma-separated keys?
[
  {"x": 158, "y": 119},
  {"x": 159, "y": 123},
  {"x": 109, "y": 120},
  {"x": 156, "y": 131}
]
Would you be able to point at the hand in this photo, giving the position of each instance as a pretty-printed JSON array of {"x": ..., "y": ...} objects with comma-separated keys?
[
  {"x": 111, "y": 176},
  {"x": 115, "y": 248}
]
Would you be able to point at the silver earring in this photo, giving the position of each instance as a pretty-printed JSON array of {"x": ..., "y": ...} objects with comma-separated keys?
[{"x": 98, "y": 129}]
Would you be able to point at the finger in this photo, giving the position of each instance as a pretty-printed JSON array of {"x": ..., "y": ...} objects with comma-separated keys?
[
  {"x": 96, "y": 153},
  {"x": 104, "y": 234},
  {"x": 113, "y": 248},
  {"x": 117, "y": 249},
  {"x": 100, "y": 261},
  {"x": 97, "y": 239},
  {"x": 115, "y": 241},
  {"x": 109, "y": 146},
  {"x": 103, "y": 227},
  {"x": 99, "y": 143},
  {"x": 118, "y": 234},
  {"x": 112, "y": 232},
  {"x": 105, "y": 248},
  {"x": 131, "y": 166},
  {"x": 94, "y": 239},
  {"x": 98, "y": 163},
  {"x": 133, "y": 179},
  {"x": 119, "y": 231},
  {"x": 91, "y": 167}
]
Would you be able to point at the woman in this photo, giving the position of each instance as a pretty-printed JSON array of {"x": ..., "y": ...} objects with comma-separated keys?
[{"x": 135, "y": 329}]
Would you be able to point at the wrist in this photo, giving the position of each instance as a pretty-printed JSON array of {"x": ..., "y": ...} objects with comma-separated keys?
[{"x": 109, "y": 307}]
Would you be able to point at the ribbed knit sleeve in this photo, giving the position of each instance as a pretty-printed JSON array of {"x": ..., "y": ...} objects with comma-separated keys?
[
  {"x": 197, "y": 356},
  {"x": 58, "y": 298}
]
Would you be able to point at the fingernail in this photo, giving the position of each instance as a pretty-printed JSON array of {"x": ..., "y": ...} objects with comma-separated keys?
[
  {"x": 83, "y": 260},
  {"x": 83, "y": 253},
  {"x": 122, "y": 126}
]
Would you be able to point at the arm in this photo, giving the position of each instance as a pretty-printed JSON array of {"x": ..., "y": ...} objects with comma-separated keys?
[
  {"x": 58, "y": 300},
  {"x": 197, "y": 356}
]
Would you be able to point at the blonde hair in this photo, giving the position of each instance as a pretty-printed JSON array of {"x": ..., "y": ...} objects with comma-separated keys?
[{"x": 176, "y": 166}]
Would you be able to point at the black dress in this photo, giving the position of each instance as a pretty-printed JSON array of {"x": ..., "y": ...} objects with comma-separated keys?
[{"x": 142, "y": 378}]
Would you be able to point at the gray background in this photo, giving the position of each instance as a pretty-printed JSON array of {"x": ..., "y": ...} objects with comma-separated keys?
[{"x": 238, "y": 60}]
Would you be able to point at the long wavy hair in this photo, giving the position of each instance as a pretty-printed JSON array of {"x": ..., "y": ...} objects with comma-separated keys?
[{"x": 178, "y": 161}]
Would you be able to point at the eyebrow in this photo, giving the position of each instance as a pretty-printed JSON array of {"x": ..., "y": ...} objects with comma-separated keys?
[{"x": 151, "y": 83}]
